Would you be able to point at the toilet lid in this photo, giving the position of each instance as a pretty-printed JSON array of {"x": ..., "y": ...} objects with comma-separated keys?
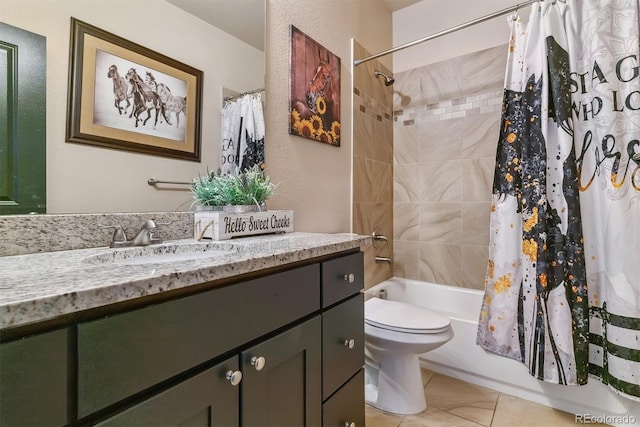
[{"x": 403, "y": 317}]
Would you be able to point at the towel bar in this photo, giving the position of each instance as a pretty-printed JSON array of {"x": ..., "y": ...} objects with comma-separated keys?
[{"x": 152, "y": 181}]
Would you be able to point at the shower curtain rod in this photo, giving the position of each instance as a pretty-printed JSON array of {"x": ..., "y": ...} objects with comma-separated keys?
[
  {"x": 445, "y": 32},
  {"x": 230, "y": 98}
]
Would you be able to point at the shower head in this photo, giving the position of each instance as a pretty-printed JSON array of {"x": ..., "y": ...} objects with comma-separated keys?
[{"x": 388, "y": 81}]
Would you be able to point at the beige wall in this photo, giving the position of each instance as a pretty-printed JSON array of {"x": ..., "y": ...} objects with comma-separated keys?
[
  {"x": 87, "y": 179},
  {"x": 315, "y": 179}
]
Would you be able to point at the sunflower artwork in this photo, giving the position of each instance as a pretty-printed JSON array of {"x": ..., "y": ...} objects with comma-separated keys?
[{"x": 314, "y": 90}]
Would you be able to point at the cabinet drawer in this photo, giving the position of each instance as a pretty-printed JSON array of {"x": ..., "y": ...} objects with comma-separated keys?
[
  {"x": 33, "y": 380},
  {"x": 341, "y": 324},
  {"x": 347, "y": 405},
  {"x": 121, "y": 355},
  {"x": 206, "y": 399},
  {"x": 336, "y": 278}
]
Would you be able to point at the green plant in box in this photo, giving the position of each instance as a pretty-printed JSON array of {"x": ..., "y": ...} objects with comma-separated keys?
[
  {"x": 208, "y": 190},
  {"x": 249, "y": 187}
]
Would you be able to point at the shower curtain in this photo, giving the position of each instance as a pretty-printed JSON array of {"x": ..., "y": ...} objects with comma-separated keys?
[
  {"x": 562, "y": 290},
  {"x": 242, "y": 134}
]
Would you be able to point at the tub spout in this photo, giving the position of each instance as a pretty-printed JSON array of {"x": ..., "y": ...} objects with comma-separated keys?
[{"x": 383, "y": 259}]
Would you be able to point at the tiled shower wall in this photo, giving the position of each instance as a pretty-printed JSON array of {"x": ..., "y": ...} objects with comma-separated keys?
[
  {"x": 372, "y": 163},
  {"x": 445, "y": 133}
]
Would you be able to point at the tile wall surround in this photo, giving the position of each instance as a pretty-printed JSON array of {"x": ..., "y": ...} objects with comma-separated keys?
[
  {"x": 446, "y": 127},
  {"x": 26, "y": 234},
  {"x": 373, "y": 163}
]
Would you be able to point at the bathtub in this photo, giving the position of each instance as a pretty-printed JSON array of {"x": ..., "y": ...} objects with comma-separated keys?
[{"x": 461, "y": 358}]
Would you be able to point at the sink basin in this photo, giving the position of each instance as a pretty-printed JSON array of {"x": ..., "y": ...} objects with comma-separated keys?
[{"x": 162, "y": 253}]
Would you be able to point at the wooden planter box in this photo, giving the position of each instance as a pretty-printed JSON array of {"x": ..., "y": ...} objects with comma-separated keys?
[{"x": 223, "y": 225}]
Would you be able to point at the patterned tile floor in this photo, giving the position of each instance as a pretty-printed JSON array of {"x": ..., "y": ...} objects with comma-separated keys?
[{"x": 451, "y": 402}]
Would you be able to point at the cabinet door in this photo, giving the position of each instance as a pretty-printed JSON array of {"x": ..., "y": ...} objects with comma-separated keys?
[
  {"x": 23, "y": 123},
  {"x": 346, "y": 406},
  {"x": 285, "y": 391},
  {"x": 206, "y": 400},
  {"x": 33, "y": 380}
]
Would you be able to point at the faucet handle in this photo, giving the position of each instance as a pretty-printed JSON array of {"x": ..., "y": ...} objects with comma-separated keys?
[
  {"x": 153, "y": 228},
  {"x": 149, "y": 225},
  {"x": 118, "y": 232}
]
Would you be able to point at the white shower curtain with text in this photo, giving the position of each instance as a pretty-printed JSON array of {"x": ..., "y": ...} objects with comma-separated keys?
[
  {"x": 242, "y": 134},
  {"x": 562, "y": 292}
]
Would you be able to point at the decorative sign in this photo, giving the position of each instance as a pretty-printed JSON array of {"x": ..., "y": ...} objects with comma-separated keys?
[
  {"x": 224, "y": 226},
  {"x": 314, "y": 90}
]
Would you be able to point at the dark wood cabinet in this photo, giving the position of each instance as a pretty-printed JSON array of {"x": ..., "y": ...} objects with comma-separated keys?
[
  {"x": 281, "y": 379},
  {"x": 33, "y": 380},
  {"x": 281, "y": 349},
  {"x": 127, "y": 353},
  {"x": 343, "y": 341}
]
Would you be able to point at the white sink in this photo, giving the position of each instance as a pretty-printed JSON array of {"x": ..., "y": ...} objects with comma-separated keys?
[{"x": 162, "y": 253}]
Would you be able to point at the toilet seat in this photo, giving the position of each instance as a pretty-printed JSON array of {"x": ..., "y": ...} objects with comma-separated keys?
[{"x": 401, "y": 317}]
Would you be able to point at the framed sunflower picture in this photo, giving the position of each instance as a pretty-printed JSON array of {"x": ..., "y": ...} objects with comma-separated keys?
[{"x": 314, "y": 90}]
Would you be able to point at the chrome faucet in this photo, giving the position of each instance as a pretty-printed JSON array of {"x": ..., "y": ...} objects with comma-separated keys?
[{"x": 147, "y": 235}]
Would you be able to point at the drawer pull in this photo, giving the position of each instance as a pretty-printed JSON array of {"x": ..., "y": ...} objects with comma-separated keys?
[
  {"x": 350, "y": 343},
  {"x": 350, "y": 424},
  {"x": 350, "y": 277},
  {"x": 258, "y": 362},
  {"x": 234, "y": 377}
]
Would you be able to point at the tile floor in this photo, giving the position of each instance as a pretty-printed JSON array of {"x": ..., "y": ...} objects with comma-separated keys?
[{"x": 451, "y": 402}]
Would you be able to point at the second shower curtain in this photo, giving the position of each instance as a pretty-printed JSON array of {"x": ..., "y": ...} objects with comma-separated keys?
[
  {"x": 563, "y": 283},
  {"x": 242, "y": 134}
]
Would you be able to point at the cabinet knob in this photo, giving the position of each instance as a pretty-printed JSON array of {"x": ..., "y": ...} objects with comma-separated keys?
[
  {"x": 350, "y": 343},
  {"x": 350, "y": 277},
  {"x": 350, "y": 424},
  {"x": 258, "y": 362},
  {"x": 234, "y": 377}
]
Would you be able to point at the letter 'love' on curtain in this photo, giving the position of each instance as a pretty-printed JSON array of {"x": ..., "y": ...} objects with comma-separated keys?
[{"x": 562, "y": 290}]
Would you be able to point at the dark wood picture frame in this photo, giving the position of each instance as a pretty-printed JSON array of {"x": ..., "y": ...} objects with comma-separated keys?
[{"x": 152, "y": 104}]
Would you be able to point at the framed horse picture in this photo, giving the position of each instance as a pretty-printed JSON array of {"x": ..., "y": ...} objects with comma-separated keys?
[
  {"x": 127, "y": 97},
  {"x": 314, "y": 90}
]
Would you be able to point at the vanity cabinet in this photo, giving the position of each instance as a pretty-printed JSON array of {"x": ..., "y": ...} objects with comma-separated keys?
[
  {"x": 33, "y": 380},
  {"x": 278, "y": 349},
  {"x": 124, "y": 354}
]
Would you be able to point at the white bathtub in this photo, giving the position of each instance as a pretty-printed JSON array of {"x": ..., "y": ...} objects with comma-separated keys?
[{"x": 461, "y": 358}]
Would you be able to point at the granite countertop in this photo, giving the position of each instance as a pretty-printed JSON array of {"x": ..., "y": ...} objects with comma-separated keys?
[{"x": 43, "y": 286}]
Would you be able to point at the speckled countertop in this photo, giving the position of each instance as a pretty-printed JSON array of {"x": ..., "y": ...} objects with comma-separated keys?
[{"x": 43, "y": 286}]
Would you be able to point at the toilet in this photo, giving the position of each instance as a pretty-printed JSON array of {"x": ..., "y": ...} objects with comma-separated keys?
[{"x": 395, "y": 334}]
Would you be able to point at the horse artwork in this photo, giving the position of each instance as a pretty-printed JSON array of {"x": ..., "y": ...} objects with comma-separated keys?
[
  {"x": 120, "y": 89},
  {"x": 150, "y": 81},
  {"x": 144, "y": 99},
  {"x": 314, "y": 90},
  {"x": 172, "y": 104},
  {"x": 113, "y": 99}
]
